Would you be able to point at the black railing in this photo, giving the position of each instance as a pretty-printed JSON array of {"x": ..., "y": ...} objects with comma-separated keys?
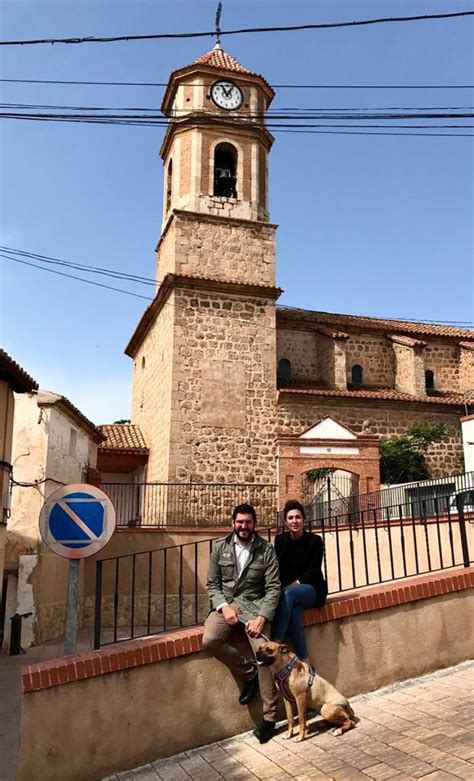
[
  {"x": 188, "y": 504},
  {"x": 154, "y": 591},
  {"x": 425, "y": 496}
]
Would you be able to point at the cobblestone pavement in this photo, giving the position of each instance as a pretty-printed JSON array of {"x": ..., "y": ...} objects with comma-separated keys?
[{"x": 422, "y": 728}]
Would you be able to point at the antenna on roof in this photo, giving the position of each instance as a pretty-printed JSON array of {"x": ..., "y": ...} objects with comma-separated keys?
[{"x": 218, "y": 28}]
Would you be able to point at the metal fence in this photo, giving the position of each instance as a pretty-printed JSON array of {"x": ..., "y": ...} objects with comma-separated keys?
[
  {"x": 189, "y": 504},
  {"x": 153, "y": 591},
  {"x": 425, "y": 497}
]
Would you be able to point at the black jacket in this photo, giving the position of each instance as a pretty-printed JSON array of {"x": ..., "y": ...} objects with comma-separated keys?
[{"x": 302, "y": 560}]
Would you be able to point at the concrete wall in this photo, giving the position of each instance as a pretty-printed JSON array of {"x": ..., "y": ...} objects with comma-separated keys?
[
  {"x": 124, "y": 719},
  {"x": 7, "y": 404},
  {"x": 43, "y": 448}
]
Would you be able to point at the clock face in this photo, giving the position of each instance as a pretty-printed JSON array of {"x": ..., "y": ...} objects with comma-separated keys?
[{"x": 226, "y": 94}]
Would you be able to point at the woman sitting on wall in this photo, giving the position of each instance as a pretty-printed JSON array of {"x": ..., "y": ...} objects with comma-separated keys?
[{"x": 300, "y": 556}]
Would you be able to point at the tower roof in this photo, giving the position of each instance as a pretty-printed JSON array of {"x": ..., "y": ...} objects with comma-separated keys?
[{"x": 218, "y": 58}]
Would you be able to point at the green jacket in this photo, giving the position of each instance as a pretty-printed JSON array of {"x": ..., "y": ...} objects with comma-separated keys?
[{"x": 257, "y": 590}]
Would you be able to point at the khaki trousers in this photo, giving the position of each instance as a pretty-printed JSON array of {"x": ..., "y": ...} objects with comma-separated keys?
[{"x": 216, "y": 635}]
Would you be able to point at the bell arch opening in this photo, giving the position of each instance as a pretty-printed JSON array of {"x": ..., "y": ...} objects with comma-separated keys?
[{"x": 225, "y": 171}]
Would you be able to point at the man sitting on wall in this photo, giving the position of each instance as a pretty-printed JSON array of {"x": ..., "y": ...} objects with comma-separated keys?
[{"x": 243, "y": 584}]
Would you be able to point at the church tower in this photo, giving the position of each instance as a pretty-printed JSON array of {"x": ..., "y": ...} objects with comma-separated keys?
[{"x": 204, "y": 352}]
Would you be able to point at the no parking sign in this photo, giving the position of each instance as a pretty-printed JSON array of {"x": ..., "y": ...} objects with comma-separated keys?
[{"x": 77, "y": 521}]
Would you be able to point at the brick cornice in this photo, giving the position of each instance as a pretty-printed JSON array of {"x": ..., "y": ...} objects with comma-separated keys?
[
  {"x": 189, "y": 72},
  {"x": 206, "y": 284},
  {"x": 136, "y": 653},
  {"x": 208, "y": 123},
  {"x": 360, "y": 441},
  {"x": 386, "y": 397}
]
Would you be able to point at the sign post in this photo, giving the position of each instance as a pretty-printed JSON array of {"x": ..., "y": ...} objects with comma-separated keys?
[
  {"x": 76, "y": 521},
  {"x": 70, "y": 628}
]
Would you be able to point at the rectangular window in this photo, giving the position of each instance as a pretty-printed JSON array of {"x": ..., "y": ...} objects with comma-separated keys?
[{"x": 72, "y": 442}]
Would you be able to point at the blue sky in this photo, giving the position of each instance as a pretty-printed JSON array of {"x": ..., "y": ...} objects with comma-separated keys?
[{"x": 374, "y": 225}]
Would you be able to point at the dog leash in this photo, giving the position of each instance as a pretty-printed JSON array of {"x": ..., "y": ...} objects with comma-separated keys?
[
  {"x": 281, "y": 676},
  {"x": 264, "y": 637}
]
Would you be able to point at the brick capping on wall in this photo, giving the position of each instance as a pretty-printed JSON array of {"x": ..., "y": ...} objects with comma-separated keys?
[{"x": 135, "y": 653}]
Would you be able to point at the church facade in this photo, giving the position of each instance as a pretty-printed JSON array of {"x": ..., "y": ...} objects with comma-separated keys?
[{"x": 222, "y": 376}]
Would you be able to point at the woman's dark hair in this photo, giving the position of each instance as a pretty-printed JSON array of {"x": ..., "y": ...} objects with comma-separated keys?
[{"x": 292, "y": 504}]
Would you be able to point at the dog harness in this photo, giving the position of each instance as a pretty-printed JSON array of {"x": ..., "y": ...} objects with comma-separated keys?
[{"x": 281, "y": 676}]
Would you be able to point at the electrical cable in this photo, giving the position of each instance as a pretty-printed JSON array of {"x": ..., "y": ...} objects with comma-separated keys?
[
  {"x": 282, "y": 113},
  {"x": 140, "y": 120},
  {"x": 279, "y": 306},
  {"x": 35, "y": 483},
  {"x": 242, "y": 31},
  {"x": 80, "y": 266},
  {"x": 275, "y": 86},
  {"x": 80, "y": 279}
]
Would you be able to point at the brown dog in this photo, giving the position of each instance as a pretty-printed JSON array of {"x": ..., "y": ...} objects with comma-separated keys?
[{"x": 321, "y": 695}]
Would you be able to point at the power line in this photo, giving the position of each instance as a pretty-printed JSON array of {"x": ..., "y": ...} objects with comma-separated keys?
[
  {"x": 375, "y": 133},
  {"x": 280, "y": 306},
  {"x": 275, "y": 86},
  {"x": 79, "y": 279},
  {"x": 159, "y": 121},
  {"x": 80, "y": 266},
  {"x": 147, "y": 122},
  {"x": 296, "y": 112},
  {"x": 241, "y": 31}
]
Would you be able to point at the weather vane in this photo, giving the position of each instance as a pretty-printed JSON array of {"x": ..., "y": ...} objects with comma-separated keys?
[{"x": 218, "y": 22}]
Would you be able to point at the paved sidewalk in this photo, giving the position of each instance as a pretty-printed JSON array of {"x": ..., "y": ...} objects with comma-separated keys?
[{"x": 422, "y": 728}]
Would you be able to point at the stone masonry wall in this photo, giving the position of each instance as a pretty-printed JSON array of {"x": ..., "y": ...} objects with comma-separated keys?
[
  {"x": 466, "y": 371},
  {"x": 151, "y": 391},
  {"x": 219, "y": 249},
  {"x": 384, "y": 419},
  {"x": 166, "y": 254},
  {"x": 410, "y": 374},
  {"x": 443, "y": 360},
  {"x": 299, "y": 348},
  {"x": 331, "y": 362},
  {"x": 375, "y": 355},
  {"x": 224, "y": 395}
]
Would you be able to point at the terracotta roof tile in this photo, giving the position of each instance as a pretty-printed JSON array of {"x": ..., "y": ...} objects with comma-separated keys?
[
  {"x": 122, "y": 436},
  {"x": 374, "y": 323},
  {"x": 408, "y": 341},
  {"x": 453, "y": 399},
  {"x": 17, "y": 378},
  {"x": 218, "y": 58}
]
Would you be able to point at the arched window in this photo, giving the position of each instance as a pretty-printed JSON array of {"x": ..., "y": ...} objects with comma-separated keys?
[
  {"x": 357, "y": 375},
  {"x": 225, "y": 171},
  {"x": 284, "y": 369},
  {"x": 169, "y": 184},
  {"x": 429, "y": 379}
]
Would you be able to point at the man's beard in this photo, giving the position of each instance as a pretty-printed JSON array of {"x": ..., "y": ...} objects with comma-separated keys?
[{"x": 248, "y": 535}]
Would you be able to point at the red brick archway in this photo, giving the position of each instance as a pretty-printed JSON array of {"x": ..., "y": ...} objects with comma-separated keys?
[{"x": 327, "y": 444}]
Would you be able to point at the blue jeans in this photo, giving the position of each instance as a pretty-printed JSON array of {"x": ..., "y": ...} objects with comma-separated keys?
[{"x": 289, "y": 613}]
